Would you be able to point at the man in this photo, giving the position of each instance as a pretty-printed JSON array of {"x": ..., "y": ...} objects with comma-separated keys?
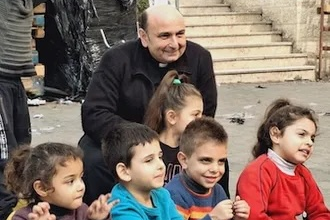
[
  {"x": 15, "y": 62},
  {"x": 126, "y": 78}
]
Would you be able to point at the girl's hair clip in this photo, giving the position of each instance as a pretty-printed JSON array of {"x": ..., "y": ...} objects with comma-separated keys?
[{"x": 176, "y": 82}]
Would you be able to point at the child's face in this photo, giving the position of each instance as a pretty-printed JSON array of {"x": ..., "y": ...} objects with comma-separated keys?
[
  {"x": 206, "y": 165},
  {"x": 68, "y": 185},
  {"x": 147, "y": 169},
  {"x": 295, "y": 145},
  {"x": 192, "y": 110}
]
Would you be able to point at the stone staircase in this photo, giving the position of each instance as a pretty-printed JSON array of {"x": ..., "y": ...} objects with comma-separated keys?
[{"x": 244, "y": 47}]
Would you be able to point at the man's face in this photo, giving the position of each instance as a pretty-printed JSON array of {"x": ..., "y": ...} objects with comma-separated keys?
[{"x": 165, "y": 38}]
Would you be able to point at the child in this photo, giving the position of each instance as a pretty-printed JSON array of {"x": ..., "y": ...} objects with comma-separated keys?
[
  {"x": 276, "y": 184},
  {"x": 133, "y": 155},
  {"x": 172, "y": 107},
  {"x": 203, "y": 152},
  {"x": 48, "y": 176}
]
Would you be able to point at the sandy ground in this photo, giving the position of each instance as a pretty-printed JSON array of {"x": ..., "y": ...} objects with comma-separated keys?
[{"x": 61, "y": 123}]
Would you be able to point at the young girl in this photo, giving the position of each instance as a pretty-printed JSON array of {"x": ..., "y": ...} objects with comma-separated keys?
[
  {"x": 173, "y": 105},
  {"x": 276, "y": 184},
  {"x": 48, "y": 176}
]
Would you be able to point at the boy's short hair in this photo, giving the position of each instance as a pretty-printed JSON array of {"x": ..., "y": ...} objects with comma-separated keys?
[
  {"x": 200, "y": 131},
  {"x": 119, "y": 142}
]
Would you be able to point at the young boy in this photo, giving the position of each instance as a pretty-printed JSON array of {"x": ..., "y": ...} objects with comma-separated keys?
[
  {"x": 133, "y": 155},
  {"x": 195, "y": 191}
]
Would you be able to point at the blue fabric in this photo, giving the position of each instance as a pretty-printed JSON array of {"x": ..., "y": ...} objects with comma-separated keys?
[
  {"x": 129, "y": 208},
  {"x": 192, "y": 205}
]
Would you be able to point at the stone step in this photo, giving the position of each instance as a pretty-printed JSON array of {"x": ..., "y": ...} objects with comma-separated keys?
[
  {"x": 237, "y": 28},
  {"x": 204, "y": 9},
  {"x": 245, "y": 50},
  {"x": 199, "y": 2},
  {"x": 222, "y": 18},
  {"x": 279, "y": 74},
  {"x": 281, "y": 60},
  {"x": 253, "y": 37}
]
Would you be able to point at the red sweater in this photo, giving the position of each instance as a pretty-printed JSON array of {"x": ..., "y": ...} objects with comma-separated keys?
[{"x": 275, "y": 195}]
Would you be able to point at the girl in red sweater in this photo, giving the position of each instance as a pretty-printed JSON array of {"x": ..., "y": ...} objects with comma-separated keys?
[{"x": 276, "y": 184}]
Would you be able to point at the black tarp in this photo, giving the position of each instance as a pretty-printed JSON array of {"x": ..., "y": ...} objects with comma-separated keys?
[{"x": 73, "y": 44}]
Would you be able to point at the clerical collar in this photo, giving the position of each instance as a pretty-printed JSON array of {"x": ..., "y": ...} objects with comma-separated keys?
[
  {"x": 162, "y": 65},
  {"x": 192, "y": 185}
]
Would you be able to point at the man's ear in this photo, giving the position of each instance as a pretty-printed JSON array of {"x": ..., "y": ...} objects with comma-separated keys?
[
  {"x": 123, "y": 172},
  {"x": 171, "y": 117},
  {"x": 40, "y": 188},
  {"x": 274, "y": 134},
  {"x": 144, "y": 37},
  {"x": 182, "y": 158}
]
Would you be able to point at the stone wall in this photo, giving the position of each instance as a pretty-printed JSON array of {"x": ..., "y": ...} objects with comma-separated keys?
[{"x": 297, "y": 19}]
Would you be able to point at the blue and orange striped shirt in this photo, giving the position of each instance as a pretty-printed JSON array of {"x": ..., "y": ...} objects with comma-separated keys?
[{"x": 192, "y": 205}]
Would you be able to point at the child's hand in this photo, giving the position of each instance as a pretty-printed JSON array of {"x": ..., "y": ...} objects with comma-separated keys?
[
  {"x": 241, "y": 209},
  {"x": 223, "y": 210},
  {"x": 100, "y": 209},
  {"x": 41, "y": 212}
]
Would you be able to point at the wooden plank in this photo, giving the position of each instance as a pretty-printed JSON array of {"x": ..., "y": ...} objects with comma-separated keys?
[
  {"x": 326, "y": 9},
  {"x": 27, "y": 83},
  {"x": 326, "y": 48},
  {"x": 38, "y": 32},
  {"x": 40, "y": 9},
  {"x": 40, "y": 69}
]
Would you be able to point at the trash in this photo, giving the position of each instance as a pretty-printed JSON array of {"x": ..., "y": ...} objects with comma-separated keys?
[
  {"x": 237, "y": 115},
  {"x": 38, "y": 116},
  {"x": 47, "y": 129},
  {"x": 237, "y": 120},
  {"x": 65, "y": 102},
  {"x": 324, "y": 114},
  {"x": 36, "y": 102},
  {"x": 261, "y": 87},
  {"x": 73, "y": 36},
  {"x": 248, "y": 106},
  {"x": 35, "y": 132}
]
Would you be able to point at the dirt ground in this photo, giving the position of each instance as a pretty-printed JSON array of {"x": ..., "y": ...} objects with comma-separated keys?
[{"x": 240, "y": 109}]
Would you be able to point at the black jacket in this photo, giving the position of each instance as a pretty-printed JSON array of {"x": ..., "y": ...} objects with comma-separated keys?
[{"x": 126, "y": 78}]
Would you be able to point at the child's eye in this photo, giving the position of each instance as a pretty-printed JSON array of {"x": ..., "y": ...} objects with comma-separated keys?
[
  {"x": 148, "y": 160},
  {"x": 70, "y": 182},
  {"x": 205, "y": 160},
  {"x": 301, "y": 134},
  {"x": 313, "y": 139}
]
